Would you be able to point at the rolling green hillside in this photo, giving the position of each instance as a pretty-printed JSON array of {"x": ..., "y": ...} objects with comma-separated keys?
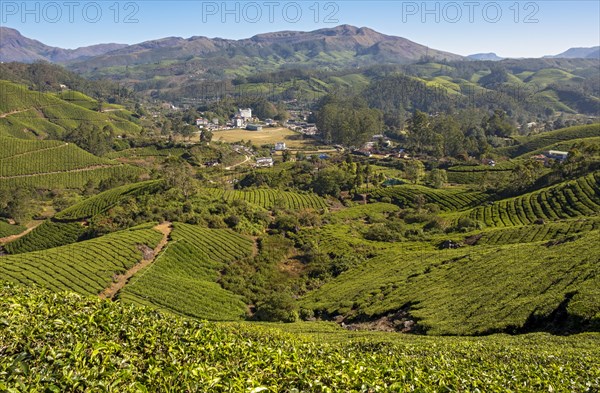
[
  {"x": 574, "y": 198},
  {"x": 86, "y": 268},
  {"x": 29, "y": 114},
  {"x": 183, "y": 279},
  {"x": 53, "y": 164},
  {"x": 473, "y": 290},
  {"x": 80, "y": 343},
  {"x": 529, "y": 144},
  {"x": 269, "y": 198}
]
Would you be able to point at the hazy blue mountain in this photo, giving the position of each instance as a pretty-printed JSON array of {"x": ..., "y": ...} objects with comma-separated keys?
[{"x": 485, "y": 56}]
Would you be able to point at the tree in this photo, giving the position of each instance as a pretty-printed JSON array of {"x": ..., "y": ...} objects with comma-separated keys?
[
  {"x": 187, "y": 131},
  {"x": 348, "y": 122},
  {"x": 436, "y": 178},
  {"x": 206, "y": 136},
  {"x": 331, "y": 181},
  {"x": 499, "y": 125},
  {"x": 17, "y": 204},
  {"x": 421, "y": 137},
  {"x": 91, "y": 138},
  {"x": 277, "y": 306},
  {"x": 178, "y": 174},
  {"x": 414, "y": 170}
]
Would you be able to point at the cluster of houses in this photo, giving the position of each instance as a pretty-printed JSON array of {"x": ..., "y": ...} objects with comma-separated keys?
[
  {"x": 379, "y": 144},
  {"x": 242, "y": 117},
  {"x": 207, "y": 124},
  {"x": 303, "y": 127},
  {"x": 551, "y": 155}
]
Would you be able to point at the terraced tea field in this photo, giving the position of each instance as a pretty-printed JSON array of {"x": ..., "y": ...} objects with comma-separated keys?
[
  {"x": 571, "y": 199},
  {"x": 52, "y": 165},
  {"x": 94, "y": 339},
  {"x": 86, "y": 268},
  {"x": 184, "y": 278},
  {"x": 536, "y": 142},
  {"x": 99, "y": 203},
  {"x": 269, "y": 198},
  {"x": 48, "y": 235},
  {"x": 146, "y": 152},
  {"x": 472, "y": 290},
  {"x": 62, "y": 158},
  {"x": 447, "y": 199},
  {"x": 536, "y": 233},
  {"x": 29, "y": 114}
]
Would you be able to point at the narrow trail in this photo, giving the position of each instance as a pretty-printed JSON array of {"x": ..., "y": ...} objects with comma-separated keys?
[
  {"x": 35, "y": 151},
  {"x": 8, "y": 239},
  {"x": 238, "y": 164},
  {"x": 88, "y": 168},
  {"x": 122, "y": 279},
  {"x": 254, "y": 246},
  {"x": 3, "y": 115}
]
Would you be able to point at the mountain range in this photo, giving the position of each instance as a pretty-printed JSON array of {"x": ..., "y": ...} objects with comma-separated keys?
[
  {"x": 485, "y": 57},
  {"x": 361, "y": 43},
  {"x": 579, "y": 53},
  {"x": 15, "y": 47}
]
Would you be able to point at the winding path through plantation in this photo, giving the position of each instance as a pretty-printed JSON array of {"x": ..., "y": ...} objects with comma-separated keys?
[
  {"x": 121, "y": 280},
  {"x": 238, "y": 164},
  {"x": 7, "y": 239},
  {"x": 87, "y": 168},
  {"x": 3, "y": 115}
]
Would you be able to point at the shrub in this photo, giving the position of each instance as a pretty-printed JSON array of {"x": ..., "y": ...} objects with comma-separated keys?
[
  {"x": 277, "y": 306},
  {"x": 381, "y": 233}
]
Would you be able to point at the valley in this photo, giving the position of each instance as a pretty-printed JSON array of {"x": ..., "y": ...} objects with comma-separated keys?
[{"x": 300, "y": 214}]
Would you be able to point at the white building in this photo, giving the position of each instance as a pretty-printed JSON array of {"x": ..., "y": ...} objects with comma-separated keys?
[
  {"x": 238, "y": 121},
  {"x": 280, "y": 146},
  {"x": 201, "y": 121},
  {"x": 558, "y": 155},
  {"x": 264, "y": 162},
  {"x": 245, "y": 113}
]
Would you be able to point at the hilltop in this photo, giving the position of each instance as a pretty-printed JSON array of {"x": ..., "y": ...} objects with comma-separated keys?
[
  {"x": 356, "y": 42},
  {"x": 16, "y": 47}
]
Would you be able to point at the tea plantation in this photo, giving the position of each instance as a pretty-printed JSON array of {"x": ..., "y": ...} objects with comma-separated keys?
[{"x": 65, "y": 342}]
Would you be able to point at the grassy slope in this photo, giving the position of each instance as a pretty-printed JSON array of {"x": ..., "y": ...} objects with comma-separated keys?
[
  {"x": 470, "y": 290},
  {"x": 94, "y": 339},
  {"x": 575, "y": 198},
  {"x": 183, "y": 279},
  {"x": 529, "y": 144},
  {"x": 53, "y": 164},
  {"x": 87, "y": 267},
  {"x": 38, "y": 114}
]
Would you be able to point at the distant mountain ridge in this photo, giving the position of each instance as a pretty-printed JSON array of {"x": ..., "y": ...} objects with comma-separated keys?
[
  {"x": 361, "y": 41},
  {"x": 485, "y": 56},
  {"x": 579, "y": 53},
  {"x": 16, "y": 47}
]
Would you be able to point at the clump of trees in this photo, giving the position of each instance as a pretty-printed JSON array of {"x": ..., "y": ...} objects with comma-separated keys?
[{"x": 347, "y": 121}]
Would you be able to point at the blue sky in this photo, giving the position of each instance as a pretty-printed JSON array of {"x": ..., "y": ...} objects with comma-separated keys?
[{"x": 509, "y": 28}]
